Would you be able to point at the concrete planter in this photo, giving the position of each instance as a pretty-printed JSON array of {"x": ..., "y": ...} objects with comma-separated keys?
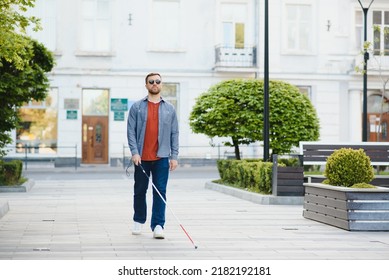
[
  {"x": 287, "y": 180},
  {"x": 347, "y": 208},
  {"x": 22, "y": 188}
]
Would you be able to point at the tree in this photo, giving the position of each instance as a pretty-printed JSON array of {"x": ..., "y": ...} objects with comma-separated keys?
[
  {"x": 13, "y": 24},
  {"x": 20, "y": 86},
  {"x": 23, "y": 65},
  {"x": 234, "y": 109}
]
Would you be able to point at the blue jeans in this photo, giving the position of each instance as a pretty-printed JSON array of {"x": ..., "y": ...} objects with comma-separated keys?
[{"x": 159, "y": 170}]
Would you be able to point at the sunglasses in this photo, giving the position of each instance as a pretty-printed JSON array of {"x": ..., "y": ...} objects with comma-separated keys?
[{"x": 151, "y": 82}]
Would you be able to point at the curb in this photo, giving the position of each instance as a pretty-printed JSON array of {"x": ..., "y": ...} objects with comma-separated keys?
[
  {"x": 256, "y": 197},
  {"x": 25, "y": 187},
  {"x": 4, "y": 208}
]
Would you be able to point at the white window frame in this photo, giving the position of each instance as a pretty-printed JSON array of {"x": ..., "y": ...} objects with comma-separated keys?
[
  {"x": 382, "y": 27},
  {"x": 249, "y": 22},
  {"x": 286, "y": 26},
  {"x": 94, "y": 48},
  {"x": 233, "y": 21}
]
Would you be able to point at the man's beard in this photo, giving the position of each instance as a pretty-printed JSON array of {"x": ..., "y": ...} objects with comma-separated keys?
[{"x": 154, "y": 92}]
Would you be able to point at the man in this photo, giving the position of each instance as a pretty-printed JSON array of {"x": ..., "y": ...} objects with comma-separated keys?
[{"x": 152, "y": 133}]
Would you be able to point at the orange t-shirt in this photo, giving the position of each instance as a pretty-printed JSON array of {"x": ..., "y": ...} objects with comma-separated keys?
[{"x": 150, "y": 146}]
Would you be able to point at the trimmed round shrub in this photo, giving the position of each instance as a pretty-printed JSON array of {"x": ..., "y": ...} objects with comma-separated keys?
[
  {"x": 363, "y": 186},
  {"x": 347, "y": 167}
]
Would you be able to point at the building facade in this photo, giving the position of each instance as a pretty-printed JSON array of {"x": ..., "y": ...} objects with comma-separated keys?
[{"x": 105, "y": 48}]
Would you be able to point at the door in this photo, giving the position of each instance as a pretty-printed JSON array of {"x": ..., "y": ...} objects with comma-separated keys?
[
  {"x": 94, "y": 139},
  {"x": 95, "y": 126}
]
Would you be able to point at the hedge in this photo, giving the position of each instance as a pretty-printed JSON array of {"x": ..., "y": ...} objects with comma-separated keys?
[
  {"x": 10, "y": 172},
  {"x": 253, "y": 175}
]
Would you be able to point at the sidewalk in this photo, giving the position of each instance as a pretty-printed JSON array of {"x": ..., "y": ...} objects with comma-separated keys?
[{"x": 91, "y": 219}]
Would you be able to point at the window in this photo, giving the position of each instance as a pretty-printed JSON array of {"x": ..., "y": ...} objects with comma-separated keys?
[
  {"x": 306, "y": 90},
  {"x": 359, "y": 30},
  {"x": 46, "y": 11},
  {"x": 170, "y": 93},
  {"x": 95, "y": 27},
  {"x": 233, "y": 18},
  {"x": 376, "y": 104},
  {"x": 95, "y": 102},
  {"x": 299, "y": 28},
  {"x": 381, "y": 32},
  {"x": 165, "y": 25},
  {"x": 39, "y": 125}
]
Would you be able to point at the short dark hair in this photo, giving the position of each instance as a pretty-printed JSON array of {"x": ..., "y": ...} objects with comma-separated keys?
[{"x": 152, "y": 74}]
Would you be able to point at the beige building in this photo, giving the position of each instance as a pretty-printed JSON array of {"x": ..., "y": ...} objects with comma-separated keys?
[{"x": 104, "y": 49}]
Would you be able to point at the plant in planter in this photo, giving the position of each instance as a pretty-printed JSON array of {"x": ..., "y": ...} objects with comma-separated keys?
[
  {"x": 347, "y": 167},
  {"x": 346, "y": 199}
]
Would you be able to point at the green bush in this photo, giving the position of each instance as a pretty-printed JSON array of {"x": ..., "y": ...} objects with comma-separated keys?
[
  {"x": 228, "y": 170},
  {"x": 253, "y": 175},
  {"x": 10, "y": 172},
  {"x": 346, "y": 167},
  {"x": 289, "y": 161},
  {"x": 363, "y": 186}
]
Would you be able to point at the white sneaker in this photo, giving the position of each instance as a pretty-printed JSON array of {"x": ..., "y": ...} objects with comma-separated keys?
[
  {"x": 137, "y": 228},
  {"x": 158, "y": 232}
]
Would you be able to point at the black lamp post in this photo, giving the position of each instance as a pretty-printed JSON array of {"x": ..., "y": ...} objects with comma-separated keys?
[
  {"x": 366, "y": 58},
  {"x": 266, "y": 87}
]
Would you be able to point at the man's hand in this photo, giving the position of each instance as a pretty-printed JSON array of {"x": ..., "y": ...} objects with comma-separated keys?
[
  {"x": 136, "y": 159},
  {"x": 173, "y": 164}
]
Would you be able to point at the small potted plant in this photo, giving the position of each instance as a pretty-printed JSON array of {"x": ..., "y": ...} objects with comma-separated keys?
[{"x": 345, "y": 199}]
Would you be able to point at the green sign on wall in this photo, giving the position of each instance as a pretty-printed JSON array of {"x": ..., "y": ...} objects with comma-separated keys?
[
  {"x": 119, "y": 104},
  {"x": 71, "y": 114},
  {"x": 118, "y": 116}
]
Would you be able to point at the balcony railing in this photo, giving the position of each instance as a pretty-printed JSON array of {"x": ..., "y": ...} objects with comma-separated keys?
[
  {"x": 375, "y": 62},
  {"x": 235, "y": 57}
]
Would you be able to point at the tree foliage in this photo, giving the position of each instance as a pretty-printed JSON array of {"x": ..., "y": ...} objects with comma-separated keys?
[
  {"x": 20, "y": 86},
  {"x": 24, "y": 63},
  {"x": 13, "y": 25},
  {"x": 234, "y": 109}
]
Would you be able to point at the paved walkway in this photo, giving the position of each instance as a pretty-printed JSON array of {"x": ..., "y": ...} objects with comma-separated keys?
[{"x": 91, "y": 219}]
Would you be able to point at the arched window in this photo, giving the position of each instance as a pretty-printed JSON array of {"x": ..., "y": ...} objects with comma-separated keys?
[
  {"x": 374, "y": 103},
  {"x": 378, "y": 118}
]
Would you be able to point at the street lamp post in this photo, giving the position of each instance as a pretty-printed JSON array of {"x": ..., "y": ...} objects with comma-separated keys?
[
  {"x": 266, "y": 87},
  {"x": 365, "y": 58}
]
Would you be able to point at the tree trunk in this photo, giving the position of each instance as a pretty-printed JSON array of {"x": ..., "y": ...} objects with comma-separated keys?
[{"x": 236, "y": 146}]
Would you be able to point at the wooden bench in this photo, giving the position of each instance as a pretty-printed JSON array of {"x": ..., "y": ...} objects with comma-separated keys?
[{"x": 316, "y": 153}]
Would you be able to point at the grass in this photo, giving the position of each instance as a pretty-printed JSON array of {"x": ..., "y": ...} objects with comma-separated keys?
[{"x": 21, "y": 181}]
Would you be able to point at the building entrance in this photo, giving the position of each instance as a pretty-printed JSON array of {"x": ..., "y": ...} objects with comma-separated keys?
[
  {"x": 94, "y": 139},
  {"x": 95, "y": 126}
]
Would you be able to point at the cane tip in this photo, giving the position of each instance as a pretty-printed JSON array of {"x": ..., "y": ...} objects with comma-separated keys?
[{"x": 196, "y": 247}]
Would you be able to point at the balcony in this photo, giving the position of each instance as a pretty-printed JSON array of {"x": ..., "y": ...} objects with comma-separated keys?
[
  {"x": 230, "y": 58},
  {"x": 375, "y": 62}
]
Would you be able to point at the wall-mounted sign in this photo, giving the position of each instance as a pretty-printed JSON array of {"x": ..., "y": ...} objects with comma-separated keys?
[
  {"x": 71, "y": 114},
  {"x": 71, "y": 103},
  {"x": 119, "y": 104},
  {"x": 118, "y": 116}
]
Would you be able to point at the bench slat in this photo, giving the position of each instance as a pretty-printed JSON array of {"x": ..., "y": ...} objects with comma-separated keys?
[{"x": 317, "y": 153}]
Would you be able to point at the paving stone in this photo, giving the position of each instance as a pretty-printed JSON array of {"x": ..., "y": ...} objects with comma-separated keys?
[{"x": 91, "y": 219}]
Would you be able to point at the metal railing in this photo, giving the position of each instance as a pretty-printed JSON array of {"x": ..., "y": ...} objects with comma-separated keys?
[
  {"x": 29, "y": 153},
  {"x": 206, "y": 153},
  {"x": 235, "y": 57}
]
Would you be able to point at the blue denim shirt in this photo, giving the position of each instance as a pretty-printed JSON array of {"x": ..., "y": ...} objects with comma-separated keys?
[{"x": 167, "y": 129}]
